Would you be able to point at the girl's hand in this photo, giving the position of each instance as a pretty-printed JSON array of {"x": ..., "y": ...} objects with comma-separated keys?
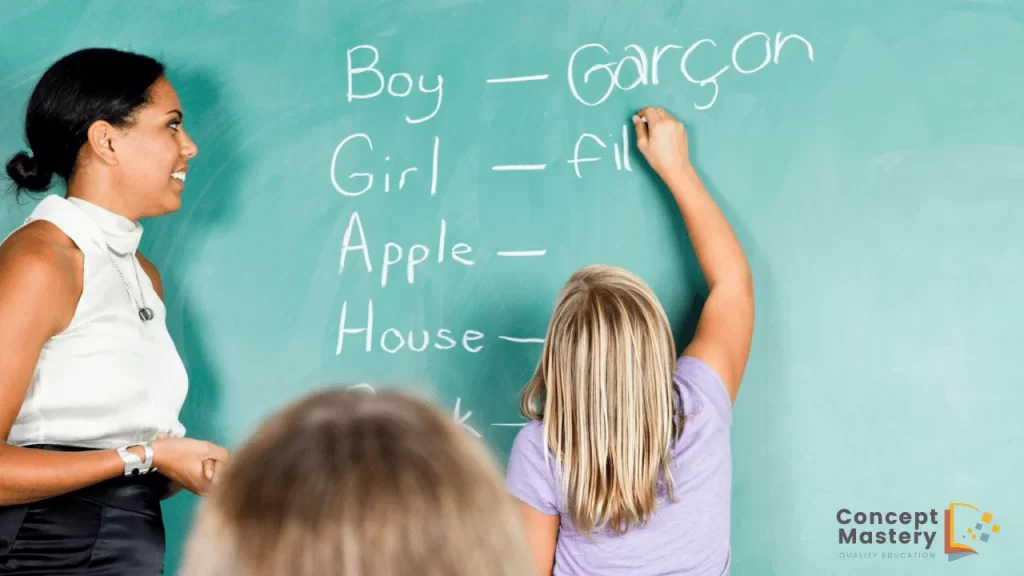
[{"x": 662, "y": 140}]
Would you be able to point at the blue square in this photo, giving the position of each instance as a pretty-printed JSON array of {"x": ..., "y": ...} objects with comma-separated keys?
[
  {"x": 984, "y": 537},
  {"x": 977, "y": 526}
]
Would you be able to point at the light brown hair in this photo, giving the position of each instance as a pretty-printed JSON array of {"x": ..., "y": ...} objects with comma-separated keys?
[
  {"x": 355, "y": 483},
  {"x": 604, "y": 391}
]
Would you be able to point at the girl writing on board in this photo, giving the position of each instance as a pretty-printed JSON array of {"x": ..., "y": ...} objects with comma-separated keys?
[
  {"x": 625, "y": 467},
  {"x": 90, "y": 381}
]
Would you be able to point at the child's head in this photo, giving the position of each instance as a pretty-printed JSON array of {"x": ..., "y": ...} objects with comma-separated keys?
[
  {"x": 604, "y": 390},
  {"x": 359, "y": 484}
]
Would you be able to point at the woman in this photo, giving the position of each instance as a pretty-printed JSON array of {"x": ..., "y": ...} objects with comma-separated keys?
[
  {"x": 359, "y": 484},
  {"x": 625, "y": 468},
  {"x": 90, "y": 381}
]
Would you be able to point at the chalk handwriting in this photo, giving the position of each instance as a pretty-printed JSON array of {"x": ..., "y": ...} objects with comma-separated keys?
[
  {"x": 392, "y": 253},
  {"x": 460, "y": 419},
  {"x": 593, "y": 59},
  {"x": 366, "y": 178},
  {"x": 621, "y": 155},
  {"x": 514, "y": 79},
  {"x": 393, "y": 340},
  {"x": 521, "y": 253},
  {"x": 398, "y": 85},
  {"x": 518, "y": 340},
  {"x": 518, "y": 167}
]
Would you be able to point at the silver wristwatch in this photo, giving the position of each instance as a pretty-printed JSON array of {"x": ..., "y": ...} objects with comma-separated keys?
[{"x": 132, "y": 465}]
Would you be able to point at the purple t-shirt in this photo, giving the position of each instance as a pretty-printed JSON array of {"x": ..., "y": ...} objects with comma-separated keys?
[{"x": 689, "y": 536}]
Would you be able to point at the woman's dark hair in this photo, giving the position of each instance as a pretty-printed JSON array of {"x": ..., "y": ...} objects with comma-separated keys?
[{"x": 79, "y": 89}]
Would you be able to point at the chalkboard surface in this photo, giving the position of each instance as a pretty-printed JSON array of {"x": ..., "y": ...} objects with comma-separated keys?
[{"x": 392, "y": 194}]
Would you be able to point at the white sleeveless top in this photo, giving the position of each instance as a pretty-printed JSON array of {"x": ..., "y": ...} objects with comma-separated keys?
[{"x": 108, "y": 379}]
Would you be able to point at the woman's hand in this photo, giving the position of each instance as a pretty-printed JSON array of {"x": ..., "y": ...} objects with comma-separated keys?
[
  {"x": 190, "y": 464},
  {"x": 662, "y": 140}
]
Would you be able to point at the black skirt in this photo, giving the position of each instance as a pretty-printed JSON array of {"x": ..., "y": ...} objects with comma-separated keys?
[{"x": 115, "y": 527}]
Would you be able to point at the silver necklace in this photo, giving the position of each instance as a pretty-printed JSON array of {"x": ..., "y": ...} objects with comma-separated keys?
[{"x": 145, "y": 312}]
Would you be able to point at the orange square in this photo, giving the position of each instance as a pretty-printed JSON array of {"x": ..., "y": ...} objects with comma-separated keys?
[
  {"x": 986, "y": 517},
  {"x": 995, "y": 528},
  {"x": 974, "y": 536}
]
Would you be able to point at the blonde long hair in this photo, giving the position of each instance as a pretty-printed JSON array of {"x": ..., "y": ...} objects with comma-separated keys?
[
  {"x": 359, "y": 484},
  {"x": 609, "y": 411}
]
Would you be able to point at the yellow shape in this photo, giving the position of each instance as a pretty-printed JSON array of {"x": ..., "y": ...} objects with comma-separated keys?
[
  {"x": 986, "y": 517},
  {"x": 995, "y": 528},
  {"x": 970, "y": 529},
  {"x": 974, "y": 536}
]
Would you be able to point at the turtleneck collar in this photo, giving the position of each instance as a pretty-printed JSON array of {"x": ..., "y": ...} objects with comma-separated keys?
[{"x": 120, "y": 233}]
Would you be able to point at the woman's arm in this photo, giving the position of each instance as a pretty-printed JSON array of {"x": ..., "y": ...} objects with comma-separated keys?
[
  {"x": 726, "y": 325},
  {"x": 39, "y": 290},
  {"x": 28, "y": 475},
  {"x": 40, "y": 285}
]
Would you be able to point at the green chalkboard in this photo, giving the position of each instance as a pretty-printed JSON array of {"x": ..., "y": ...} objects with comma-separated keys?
[{"x": 417, "y": 156}]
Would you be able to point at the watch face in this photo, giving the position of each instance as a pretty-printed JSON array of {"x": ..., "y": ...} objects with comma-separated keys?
[{"x": 132, "y": 463}]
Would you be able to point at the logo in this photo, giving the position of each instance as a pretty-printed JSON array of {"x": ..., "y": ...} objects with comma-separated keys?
[
  {"x": 915, "y": 534},
  {"x": 967, "y": 529}
]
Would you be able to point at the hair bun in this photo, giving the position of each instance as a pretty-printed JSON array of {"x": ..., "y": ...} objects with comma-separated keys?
[{"x": 28, "y": 174}]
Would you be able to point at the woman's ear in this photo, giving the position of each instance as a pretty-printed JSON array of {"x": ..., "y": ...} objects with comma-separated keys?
[{"x": 102, "y": 140}]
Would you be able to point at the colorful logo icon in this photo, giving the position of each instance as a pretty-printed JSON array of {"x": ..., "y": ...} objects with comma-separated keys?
[{"x": 967, "y": 530}]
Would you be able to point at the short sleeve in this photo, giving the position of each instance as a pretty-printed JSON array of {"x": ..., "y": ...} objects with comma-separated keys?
[
  {"x": 529, "y": 476},
  {"x": 700, "y": 380}
]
